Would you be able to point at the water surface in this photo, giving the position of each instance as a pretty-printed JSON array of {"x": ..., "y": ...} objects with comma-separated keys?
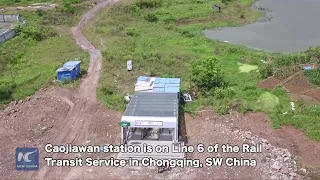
[{"x": 294, "y": 26}]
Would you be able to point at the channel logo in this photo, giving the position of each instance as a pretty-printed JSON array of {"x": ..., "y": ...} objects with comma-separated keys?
[{"x": 27, "y": 159}]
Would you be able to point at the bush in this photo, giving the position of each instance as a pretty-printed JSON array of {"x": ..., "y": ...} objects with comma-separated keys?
[
  {"x": 148, "y": 3},
  {"x": 314, "y": 76},
  {"x": 222, "y": 110},
  {"x": 108, "y": 91},
  {"x": 266, "y": 70},
  {"x": 67, "y": 7},
  {"x": 28, "y": 32},
  {"x": 286, "y": 72},
  {"x": 6, "y": 90},
  {"x": 206, "y": 74},
  {"x": 151, "y": 17},
  {"x": 226, "y": 1},
  {"x": 35, "y": 33},
  {"x": 267, "y": 102},
  {"x": 132, "y": 32},
  {"x": 221, "y": 93},
  {"x": 239, "y": 106}
]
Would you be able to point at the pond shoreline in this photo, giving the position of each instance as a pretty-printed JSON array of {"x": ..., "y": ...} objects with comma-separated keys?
[{"x": 281, "y": 28}]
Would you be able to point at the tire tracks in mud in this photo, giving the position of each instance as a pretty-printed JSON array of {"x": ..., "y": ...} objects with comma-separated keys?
[{"x": 79, "y": 117}]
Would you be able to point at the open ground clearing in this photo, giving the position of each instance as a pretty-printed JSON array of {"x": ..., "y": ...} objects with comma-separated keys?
[{"x": 60, "y": 115}]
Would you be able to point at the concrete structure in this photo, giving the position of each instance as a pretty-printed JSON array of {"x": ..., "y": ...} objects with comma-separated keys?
[
  {"x": 6, "y": 20},
  {"x": 155, "y": 84},
  {"x": 69, "y": 71},
  {"x": 152, "y": 117}
]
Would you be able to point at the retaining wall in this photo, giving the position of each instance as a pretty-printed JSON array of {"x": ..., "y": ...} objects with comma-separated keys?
[
  {"x": 9, "y": 18},
  {"x": 7, "y": 35}
]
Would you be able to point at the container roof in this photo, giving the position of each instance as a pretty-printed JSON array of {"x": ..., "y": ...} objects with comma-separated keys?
[
  {"x": 156, "y": 84},
  {"x": 153, "y": 105},
  {"x": 71, "y": 63},
  {"x": 68, "y": 66}
]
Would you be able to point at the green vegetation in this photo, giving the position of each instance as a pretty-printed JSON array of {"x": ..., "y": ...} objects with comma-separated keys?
[
  {"x": 66, "y": 4},
  {"x": 30, "y": 60},
  {"x": 163, "y": 38},
  {"x": 4, "y": 3},
  {"x": 314, "y": 76},
  {"x": 206, "y": 73},
  {"x": 267, "y": 102},
  {"x": 247, "y": 67}
]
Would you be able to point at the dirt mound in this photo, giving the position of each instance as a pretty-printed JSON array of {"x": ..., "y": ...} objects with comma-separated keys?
[
  {"x": 269, "y": 83},
  {"x": 315, "y": 94},
  {"x": 32, "y": 122},
  {"x": 298, "y": 84},
  {"x": 287, "y": 137}
]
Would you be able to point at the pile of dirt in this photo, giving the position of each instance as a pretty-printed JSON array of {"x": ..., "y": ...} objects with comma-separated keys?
[
  {"x": 298, "y": 84},
  {"x": 29, "y": 123},
  {"x": 269, "y": 83}
]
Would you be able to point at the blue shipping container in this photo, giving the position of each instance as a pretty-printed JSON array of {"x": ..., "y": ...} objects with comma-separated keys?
[{"x": 69, "y": 71}]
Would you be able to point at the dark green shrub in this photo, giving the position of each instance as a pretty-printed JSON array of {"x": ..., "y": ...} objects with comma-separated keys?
[
  {"x": 132, "y": 32},
  {"x": 314, "y": 76},
  {"x": 221, "y": 93},
  {"x": 6, "y": 90},
  {"x": 151, "y": 17},
  {"x": 148, "y": 3},
  {"x": 108, "y": 91},
  {"x": 222, "y": 110},
  {"x": 67, "y": 7},
  {"x": 28, "y": 32},
  {"x": 226, "y": 1},
  {"x": 239, "y": 105},
  {"x": 266, "y": 70},
  {"x": 206, "y": 73},
  {"x": 35, "y": 33}
]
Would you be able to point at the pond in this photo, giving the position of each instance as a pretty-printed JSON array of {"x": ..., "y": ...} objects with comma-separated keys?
[{"x": 287, "y": 26}]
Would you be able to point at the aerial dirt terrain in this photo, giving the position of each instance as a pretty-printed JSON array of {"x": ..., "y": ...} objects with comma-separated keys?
[{"x": 60, "y": 115}]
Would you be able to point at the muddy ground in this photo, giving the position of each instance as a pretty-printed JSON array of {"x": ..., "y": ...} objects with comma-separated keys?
[{"x": 59, "y": 116}]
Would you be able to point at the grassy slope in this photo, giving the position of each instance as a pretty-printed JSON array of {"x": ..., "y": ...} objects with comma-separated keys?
[
  {"x": 36, "y": 61},
  {"x": 166, "y": 47}
]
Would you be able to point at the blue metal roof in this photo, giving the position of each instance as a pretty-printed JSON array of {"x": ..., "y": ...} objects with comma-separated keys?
[
  {"x": 160, "y": 81},
  {"x": 158, "y": 90},
  {"x": 172, "y": 81},
  {"x": 68, "y": 66},
  {"x": 307, "y": 67},
  {"x": 71, "y": 63},
  {"x": 172, "y": 89},
  {"x": 64, "y": 69},
  {"x": 159, "y": 85},
  {"x": 171, "y": 85}
]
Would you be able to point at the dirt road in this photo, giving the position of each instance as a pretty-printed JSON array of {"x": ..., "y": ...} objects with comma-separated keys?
[{"x": 80, "y": 115}]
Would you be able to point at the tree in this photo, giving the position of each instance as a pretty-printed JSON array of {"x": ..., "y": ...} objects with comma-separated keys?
[{"x": 206, "y": 73}]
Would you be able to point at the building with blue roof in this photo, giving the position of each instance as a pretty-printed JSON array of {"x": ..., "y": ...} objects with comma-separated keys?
[
  {"x": 156, "y": 84},
  {"x": 69, "y": 71}
]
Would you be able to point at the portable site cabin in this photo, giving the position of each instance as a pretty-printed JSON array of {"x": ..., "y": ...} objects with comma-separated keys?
[
  {"x": 152, "y": 117},
  {"x": 69, "y": 71}
]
